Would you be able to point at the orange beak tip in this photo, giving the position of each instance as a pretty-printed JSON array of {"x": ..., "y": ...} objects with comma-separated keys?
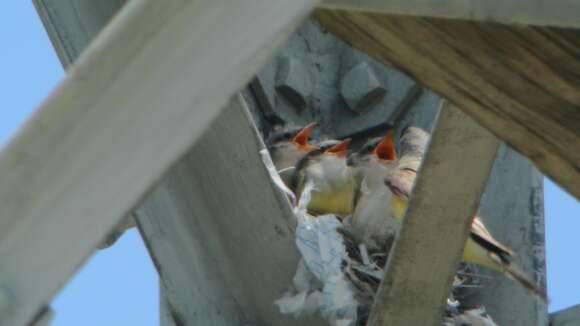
[
  {"x": 302, "y": 137},
  {"x": 340, "y": 149},
  {"x": 311, "y": 125},
  {"x": 385, "y": 150}
]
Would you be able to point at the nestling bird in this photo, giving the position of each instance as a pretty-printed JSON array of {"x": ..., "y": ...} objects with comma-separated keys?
[
  {"x": 332, "y": 181},
  {"x": 481, "y": 247},
  {"x": 287, "y": 147},
  {"x": 372, "y": 222}
]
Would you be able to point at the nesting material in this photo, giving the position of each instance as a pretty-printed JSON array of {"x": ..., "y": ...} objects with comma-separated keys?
[
  {"x": 319, "y": 283},
  {"x": 338, "y": 277},
  {"x": 340, "y": 271}
]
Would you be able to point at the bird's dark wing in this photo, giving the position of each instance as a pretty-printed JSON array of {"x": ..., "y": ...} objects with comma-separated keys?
[
  {"x": 400, "y": 182},
  {"x": 481, "y": 236}
]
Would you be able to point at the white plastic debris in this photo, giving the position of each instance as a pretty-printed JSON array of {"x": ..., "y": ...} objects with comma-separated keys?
[
  {"x": 319, "y": 283},
  {"x": 472, "y": 317},
  {"x": 275, "y": 175}
]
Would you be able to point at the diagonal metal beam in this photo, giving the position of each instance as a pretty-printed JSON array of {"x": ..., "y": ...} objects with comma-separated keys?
[
  {"x": 127, "y": 110},
  {"x": 72, "y": 24},
  {"x": 424, "y": 259},
  {"x": 184, "y": 249},
  {"x": 221, "y": 236},
  {"x": 566, "y": 317}
]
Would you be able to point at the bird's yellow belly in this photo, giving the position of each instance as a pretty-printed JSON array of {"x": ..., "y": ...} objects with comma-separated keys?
[
  {"x": 331, "y": 202},
  {"x": 474, "y": 253},
  {"x": 398, "y": 207}
]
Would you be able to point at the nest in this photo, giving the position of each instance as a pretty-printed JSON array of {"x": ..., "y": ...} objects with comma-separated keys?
[{"x": 364, "y": 268}]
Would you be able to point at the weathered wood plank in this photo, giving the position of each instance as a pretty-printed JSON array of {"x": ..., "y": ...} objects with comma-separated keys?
[
  {"x": 563, "y": 13},
  {"x": 220, "y": 234},
  {"x": 126, "y": 111},
  {"x": 424, "y": 259},
  {"x": 566, "y": 317},
  {"x": 179, "y": 277},
  {"x": 523, "y": 84},
  {"x": 71, "y": 25}
]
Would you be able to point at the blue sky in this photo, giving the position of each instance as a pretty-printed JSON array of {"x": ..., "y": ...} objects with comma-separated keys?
[{"x": 119, "y": 286}]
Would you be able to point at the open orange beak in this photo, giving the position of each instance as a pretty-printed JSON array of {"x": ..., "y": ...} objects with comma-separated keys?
[
  {"x": 385, "y": 150},
  {"x": 302, "y": 137},
  {"x": 340, "y": 149}
]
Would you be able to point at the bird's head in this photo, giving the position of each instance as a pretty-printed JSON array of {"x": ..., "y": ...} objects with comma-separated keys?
[
  {"x": 385, "y": 152},
  {"x": 289, "y": 146},
  {"x": 375, "y": 159},
  {"x": 338, "y": 150},
  {"x": 300, "y": 140},
  {"x": 333, "y": 156},
  {"x": 326, "y": 162}
]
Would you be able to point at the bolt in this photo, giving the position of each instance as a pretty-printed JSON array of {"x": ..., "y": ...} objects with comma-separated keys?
[
  {"x": 294, "y": 82},
  {"x": 361, "y": 89}
]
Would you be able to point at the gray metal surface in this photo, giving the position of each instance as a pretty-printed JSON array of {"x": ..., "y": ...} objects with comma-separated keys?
[
  {"x": 72, "y": 24},
  {"x": 256, "y": 297},
  {"x": 512, "y": 207},
  {"x": 515, "y": 183},
  {"x": 220, "y": 234},
  {"x": 566, "y": 317},
  {"x": 347, "y": 91}
]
